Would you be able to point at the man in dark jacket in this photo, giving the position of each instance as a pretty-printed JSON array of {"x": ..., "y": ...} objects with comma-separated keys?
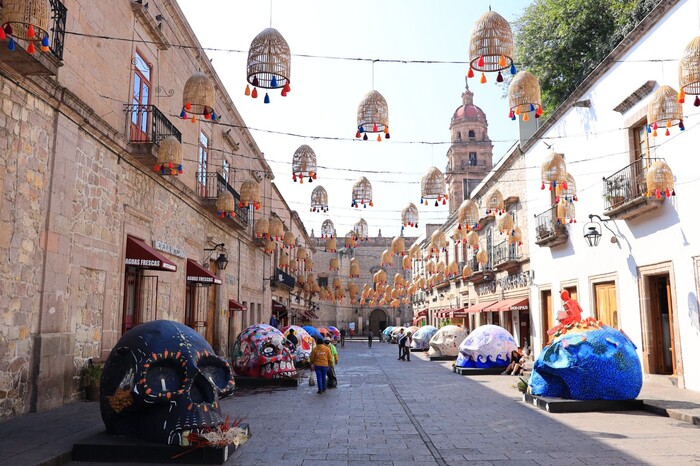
[
  {"x": 401, "y": 340},
  {"x": 293, "y": 338}
]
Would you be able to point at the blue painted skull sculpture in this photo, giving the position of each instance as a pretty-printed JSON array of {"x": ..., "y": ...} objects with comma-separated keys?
[
  {"x": 162, "y": 382},
  {"x": 421, "y": 338}
]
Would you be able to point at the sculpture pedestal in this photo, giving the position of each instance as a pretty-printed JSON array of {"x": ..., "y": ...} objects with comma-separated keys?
[
  {"x": 443, "y": 358},
  {"x": 254, "y": 382},
  {"x": 561, "y": 405},
  {"x": 479, "y": 371}
]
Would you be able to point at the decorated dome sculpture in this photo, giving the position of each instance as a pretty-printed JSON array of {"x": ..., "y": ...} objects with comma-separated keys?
[
  {"x": 467, "y": 271},
  {"x": 432, "y": 186},
  {"x": 387, "y": 258},
  {"x": 334, "y": 264},
  {"x": 445, "y": 343},
  {"x": 468, "y": 215},
  {"x": 319, "y": 199},
  {"x": 327, "y": 229},
  {"x": 660, "y": 180},
  {"x": 198, "y": 98},
  {"x": 409, "y": 216},
  {"x": 554, "y": 171},
  {"x": 491, "y": 46},
  {"x": 262, "y": 351},
  {"x": 289, "y": 241},
  {"x": 304, "y": 164},
  {"x": 169, "y": 157},
  {"x": 524, "y": 96},
  {"x": 664, "y": 111},
  {"x": 354, "y": 268},
  {"x": 268, "y": 64},
  {"x": 362, "y": 193},
  {"x": 487, "y": 347},
  {"x": 516, "y": 237},
  {"x": 421, "y": 337},
  {"x": 373, "y": 116},
  {"x": 565, "y": 212}
]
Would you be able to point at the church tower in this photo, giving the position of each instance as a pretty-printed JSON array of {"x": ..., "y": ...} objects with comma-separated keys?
[{"x": 470, "y": 157}]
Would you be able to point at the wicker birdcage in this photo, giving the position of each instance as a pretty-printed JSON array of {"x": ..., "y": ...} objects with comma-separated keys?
[
  {"x": 289, "y": 240},
  {"x": 664, "y": 110},
  {"x": 472, "y": 239},
  {"x": 409, "y": 216},
  {"x": 568, "y": 193},
  {"x": 250, "y": 194},
  {"x": 284, "y": 261},
  {"x": 495, "y": 204},
  {"x": 482, "y": 257},
  {"x": 398, "y": 246},
  {"x": 689, "y": 71},
  {"x": 414, "y": 251},
  {"x": 304, "y": 164},
  {"x": 28, "y": 20},
  {"x": 270, "y": 246},
  {"x": 198, "y": 97},
  {"x": 319, "y": 199},
  {"x": 350, "y": 240},
  {"x": 660, "y": 180},
  {"x": 262, "y": 228},
  {"x": 276, "y": 229},
  {"x": 334, "y": 264},
  {"x": 301, "y": 253},
  {"x": 554, "y": 170},
  {"x": 387, "y": 258},
  {"x": 458, "y": 234},
  {"x": 438, "y": 238},
  {"x": 432, "y": 186},
  {"x": 566, "y": 212},
  {"x": 399, "y": 281},
  {"x": 441, "y": 267},
  {"x": 309, "y": 264},
  {"x": 268, "y": 64},
  {"x": 491, "y": 46},
  {"x": 362, "y": 193},
  {"x": 406, "y": 262},
  {"x": 524, "y": 96},
  {"x": 169, "y": 157},
  {"x": 468, "y": 215},
  {"x": 361, "y": 230},
  {"x": 331, "y": 245},
  {"x": 467, "y": 271},
  {"x": 354, "y": 269},
  {"x": 431, "y": 267},
  {"x": 373, "y": 116},
  {"x": 516, "y": 236},
  {"x": 225, "y": 205},
  {"x": 452, "y": 269},
  {"x": 327, "y": 229},
  {"x": 505, "y": 223}
]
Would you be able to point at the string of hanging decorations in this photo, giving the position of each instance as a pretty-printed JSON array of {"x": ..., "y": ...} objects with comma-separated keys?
[
  {"x": 373, "y": 116},
  {"x": 319, "y": 200},
  {"x": 491, "y": 46},
  {"x": 198, "y": 98},
  {"x": 304, "y": 164},
  {"x": 27, "y": 20},
  {"x": 362, "y": 193},
  {"x": 433, "y": 187},
  {"x": 268, "y": 64}
]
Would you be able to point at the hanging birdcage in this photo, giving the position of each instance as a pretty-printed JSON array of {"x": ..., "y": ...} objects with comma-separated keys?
[
  {"x": 516, "y": 236},
  {"x": 27, "y": 20},
  {"x": 458, "y": 234},
  {"x": 250, "y": 194},
  {"x": 505, "y": 223},
  {"x": 472, "y": 239},
  {"x": 225, "y": 205},
  {"x": 268, "y": 64},
  {"x": 387, "y": 258},
  {"x": 406, "y": 262},
  {"x": 354, "y": 268},
  {"x": 262, "y": 228},
  {"x": 524, "y": 96},
  {"x": 309, "y": 264},
  {"x": 301, "y": 253},
  {"x": 284, "y": 261},
  {"x": 270, "y": 246},
  {"x": 198, "y": 98},
  {"x": 276, "y": 229},
  {"x": 327, "y": 229},
  {"x": 350, "y": 240},
  {"x": 361, "y": 230},
  {"x": 491, "y": 46},
  {"x": 373, "y": 116},
  {"x": 664, "y": 110},
  {"x": 467, "y": 271},
  {"x": 331, "y": 245},
  {"x": 482, "y": 257},
  {"x": 414, "y": 251},
  {"x": 169, "y": 157},
  {"x": 554, "y": 171},
  {"x": 495, "y": 205},
  {"x": 566, "y": 212},
  {"x": 409, "y": 216},
  {"x": 319, "y": 199},
  {"x": 568, "y": 194},
  {"x": 452, "y": 269},
  {"x": 289, "y": 240},
  {"x": 660, "y": 180},
  {"x": 334, "y": 264},
  {"x": 689, "y": 72},
  {"x": 362, "y": 193},
  {"x": 468, "y": 215},
  {"x": 438, "y": 239},
  {"x": 398, "y": 246},
  {"x": 304, "y": 164},
  {"x": 432, "y": 186}
]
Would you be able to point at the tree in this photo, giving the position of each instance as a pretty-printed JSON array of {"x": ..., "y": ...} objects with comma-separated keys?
[{"x": 562, "y": 41}]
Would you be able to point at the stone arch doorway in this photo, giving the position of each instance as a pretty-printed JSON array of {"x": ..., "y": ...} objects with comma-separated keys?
[{"x": 378, "y": 321}]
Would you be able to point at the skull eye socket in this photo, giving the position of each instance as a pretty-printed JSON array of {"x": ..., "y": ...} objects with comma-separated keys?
[
  {"x": 164, "y": 375},
  {"x": 268, "y": 350},
  {"x": 215, "y": 371}
]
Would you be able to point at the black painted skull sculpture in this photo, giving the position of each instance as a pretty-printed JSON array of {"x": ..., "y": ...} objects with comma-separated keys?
[{"x": 162, "y": 382}]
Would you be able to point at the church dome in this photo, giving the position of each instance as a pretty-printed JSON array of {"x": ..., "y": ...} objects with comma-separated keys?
[{"x": 468, "y": 111}]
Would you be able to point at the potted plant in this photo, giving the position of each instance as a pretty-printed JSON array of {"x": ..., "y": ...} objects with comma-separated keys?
[{"x": 90, "y": 376}]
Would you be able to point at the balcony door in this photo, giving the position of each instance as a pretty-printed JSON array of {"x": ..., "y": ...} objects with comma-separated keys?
[
  {"x": 141, "y": 97},
  {"x": 203, "y": 165}
]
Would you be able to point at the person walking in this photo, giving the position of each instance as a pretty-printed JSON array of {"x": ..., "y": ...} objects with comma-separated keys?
[
  {"x": 321, "y": 359},
  {"x": 407, "y": 346},
  {"x": 332, "y": 379},
  {"x": 401, "y": 340},
  {"x": 342, "y": 337},
  {"x": 293, "y": 338},
  {"x": 370, "y": 335}
]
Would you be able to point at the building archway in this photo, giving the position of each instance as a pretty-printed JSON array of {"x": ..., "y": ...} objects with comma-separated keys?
[{"x": 378, "y": 319}]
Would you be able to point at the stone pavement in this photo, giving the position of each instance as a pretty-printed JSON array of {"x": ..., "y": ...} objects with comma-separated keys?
[{"x": 390, "y": 412}]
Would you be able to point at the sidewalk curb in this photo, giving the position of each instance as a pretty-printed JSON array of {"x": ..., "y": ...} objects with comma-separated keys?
[{"x": 677, "y": 414}]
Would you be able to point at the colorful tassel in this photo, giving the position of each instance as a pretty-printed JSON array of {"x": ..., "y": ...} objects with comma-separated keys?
[
  {"x": 374, "y": 128},
  {"x": 8, "y": 29},
  {"x": 247, "y": 90},
  {"x": 3, "y": 36},
  {"x": 364, "y": 138},
  {"x": 511, "y": 115},
  {"x": 11, "y": 45},
  {"x": 194, "y": 119},
  {"x": 542, "y": 186},
  {"x": 681, "y": 126},
  {"x": 31, "y": 33},
  {"x": 696, "y": 103},
  {"x": 283, "y": 93},
  {"x": 499, "y": 78},
  {"x": 183, "y": 114},
  {"x": 188, "y": 106},
  {"x": 470, "y": 73},
  {"x": 379, "y": 138},
  {"x": 255, "y": 82},
  {"x": 668, "y": 192},
  {"x": 31, "y": 49},
  {"x": 273, "y": 82},
  {"x": 681, "y": 96},
  {"x": 483, "y": 78},
  {"x": 512, "y": 69},
  {"x": 254, "y": 94},
  {"x": 387, "y": 136},
  {"x": 502, "y": 62},
  {"x": 361, "y": 129},
  {"x": 480, "y": 62},
  {"x": 287, "y": 87},
  {"x": 358, "y": 135},
  {"x": 526, "y": 117},
  {"x": 267, "y": 99}
]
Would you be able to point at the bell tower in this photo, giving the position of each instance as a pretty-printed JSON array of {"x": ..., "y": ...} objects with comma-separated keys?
[{"x": 470, "y": 157}]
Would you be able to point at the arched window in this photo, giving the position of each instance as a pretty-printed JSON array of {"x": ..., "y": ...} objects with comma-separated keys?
[{"x": 472, "y": 134}]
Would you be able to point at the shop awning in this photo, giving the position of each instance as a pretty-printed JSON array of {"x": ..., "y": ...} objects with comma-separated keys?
[
  {"x": 198, "y": 274},
  {"x": 234, "y": 305},
  {"x": 140, "y": 255},
  {"x": 422, "y": 313},
  {"x": 310, "y": 315},
  {"x": 513, "y": 304},
  {"x": 481, "y": 307},
  {"x": 460, "y": 313},
  {"x": 278, "y": 306}
]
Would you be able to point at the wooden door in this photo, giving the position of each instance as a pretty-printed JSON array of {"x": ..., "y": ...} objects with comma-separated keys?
[
  {"x": 547, "y": 314},
  {"x": 663, "y": 358},
  {"x": 606, "y": 303}
]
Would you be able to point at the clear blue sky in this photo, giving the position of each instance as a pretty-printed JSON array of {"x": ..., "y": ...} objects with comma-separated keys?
[{"x": 326, "y": 92}]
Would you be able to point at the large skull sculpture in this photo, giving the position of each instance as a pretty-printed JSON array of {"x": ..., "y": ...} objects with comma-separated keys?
[
  {"x": 422, "y": 337},
  {"x": 387, "y": 333},
  {"x": 334, "y": 332},
  {"x": 305, "y": 345},
  {"x": 488, "y": 346},
  {"x": 262, "y": 351},
  {"x": 446, "y": 341},
  {"x": 161, "y": 382},
  {"x": 395, "y": 333}
]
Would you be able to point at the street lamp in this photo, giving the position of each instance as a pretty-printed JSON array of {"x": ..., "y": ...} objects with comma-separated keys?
[
  {"x": 592, "y": 230},
  {"x": 221, "y": 260}
]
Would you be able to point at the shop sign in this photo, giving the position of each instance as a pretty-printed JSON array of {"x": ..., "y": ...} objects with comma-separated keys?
[{"x": 165, "y": 247}]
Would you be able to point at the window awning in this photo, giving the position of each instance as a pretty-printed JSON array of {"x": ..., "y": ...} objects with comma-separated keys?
[
  {"x": 310, "y": 315},
  {"x": 513, "y": 304},
  {"x": 481, "y": 307},
  {"x": 142, "y": 256},
  {"x": 198, "y": 274},
  {"x": 278, "y": 306},
  {"x": 422, "y": 313},
  {"x": 234, "y": 305}
]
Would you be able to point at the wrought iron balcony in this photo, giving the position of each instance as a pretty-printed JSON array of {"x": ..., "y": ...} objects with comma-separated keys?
[
  {"x": 40, "y": 63},
  {"x": 148, "y": 125},
  {"x": 210, "y": 184},
  {"x": 282, "y": 278},
  {"x": 549, "y": 231},
  {"x": 506, "y": 255},
  {"x": 625, "y": 191}
]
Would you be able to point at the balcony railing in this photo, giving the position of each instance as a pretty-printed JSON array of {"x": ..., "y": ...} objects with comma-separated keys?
[
  {"x": 58, "y": 28},
  {"x": 210, "y": 184},
  {"x": 504, "y": 253},
  {"x": 283, "y": 278},
  {"x": 549, "y": 231},
  {"x": 625, "y": 191},
  {"x": 148, "y": 125}
]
